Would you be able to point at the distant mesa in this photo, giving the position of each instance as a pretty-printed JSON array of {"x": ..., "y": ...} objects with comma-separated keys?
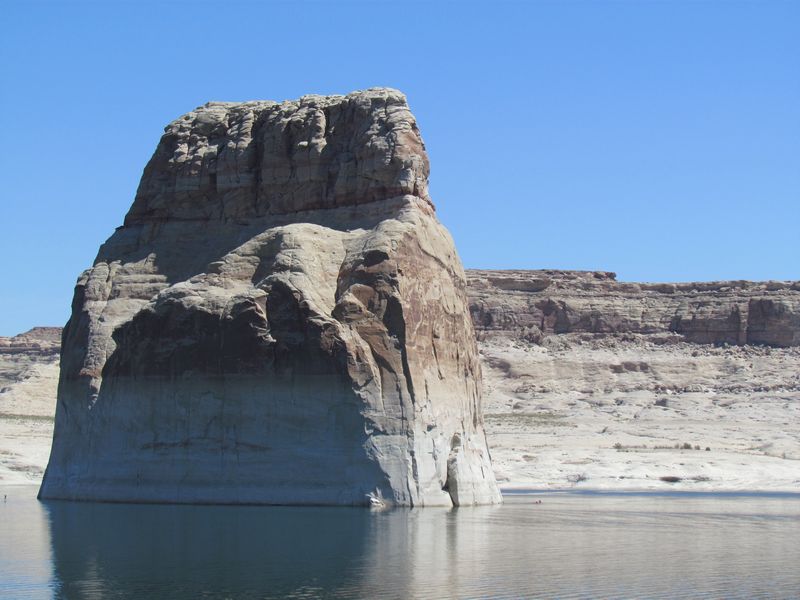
[
  {"x": 280, "y": 320},
  {"x": 38, "y": 341},
  {"x": 537, "y": 304}
]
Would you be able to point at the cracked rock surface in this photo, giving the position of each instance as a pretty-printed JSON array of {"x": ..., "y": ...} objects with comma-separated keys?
[{"x": 281, "y": 319}]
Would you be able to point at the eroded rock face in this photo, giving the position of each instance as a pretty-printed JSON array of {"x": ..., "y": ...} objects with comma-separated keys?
[
  {"x": 28, "y": 380},
  {"x": 534, "y": 304},
  {"x": 594, "y": 383},
  {"x": 281, "y": 319},
  {"x": 28, "y": 371}
]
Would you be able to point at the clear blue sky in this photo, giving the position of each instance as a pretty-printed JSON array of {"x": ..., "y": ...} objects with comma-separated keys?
[{"x": 660, "y": 140}]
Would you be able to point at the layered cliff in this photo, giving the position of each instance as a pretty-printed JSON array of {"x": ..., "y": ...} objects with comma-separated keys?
[
  {"x": 28, "y": 371},
  {"x": 281, "y": 319},
  {"x": 590, "y": 382},
  {"x": 533, "y": 304},
  {"x": 28, "y": 379}
]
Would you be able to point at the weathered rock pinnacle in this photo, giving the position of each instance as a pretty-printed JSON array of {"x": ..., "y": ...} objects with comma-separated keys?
[{"x": 281, "y": 319}]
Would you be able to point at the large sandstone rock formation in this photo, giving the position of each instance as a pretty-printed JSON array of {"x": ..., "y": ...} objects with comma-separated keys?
[{"x": 280, "y": 319}]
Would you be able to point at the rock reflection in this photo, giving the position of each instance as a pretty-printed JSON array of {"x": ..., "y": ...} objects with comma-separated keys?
[
  {"x": 569, "y": 547},
  {"x": 134, "y": 551},
  {"x": 420, "y": 553},
  {"x": 137, "y": 551}
]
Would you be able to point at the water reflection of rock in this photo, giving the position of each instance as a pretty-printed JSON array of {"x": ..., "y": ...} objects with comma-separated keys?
[
  {"x": 585, "y": 546},
  {"x": 178, "y": 551},
  {"x": 429, "y": 553},
  {"x": 147, "y": 551}
]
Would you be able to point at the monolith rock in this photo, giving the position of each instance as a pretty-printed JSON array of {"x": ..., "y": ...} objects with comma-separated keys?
[{"x": 281, "y": 319}]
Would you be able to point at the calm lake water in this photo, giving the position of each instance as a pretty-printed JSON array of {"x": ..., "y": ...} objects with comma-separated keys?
[{"x": 569, "y": 546}]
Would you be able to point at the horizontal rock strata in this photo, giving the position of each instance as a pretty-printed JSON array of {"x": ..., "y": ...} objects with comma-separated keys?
[
  {"x": 39, "y": 341},
  {"x": 533, "y": 304},
  {"x": 28, "y": 381}
]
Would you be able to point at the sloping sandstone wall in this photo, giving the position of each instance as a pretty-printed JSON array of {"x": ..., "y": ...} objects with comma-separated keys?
[{"x": 281, "y": 319}]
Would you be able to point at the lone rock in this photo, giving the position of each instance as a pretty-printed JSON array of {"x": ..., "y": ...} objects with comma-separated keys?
[{"x": 280, "y": 320}]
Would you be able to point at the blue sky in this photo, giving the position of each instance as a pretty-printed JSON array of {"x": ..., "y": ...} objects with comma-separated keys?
[{"x": 660, "y": 140}]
